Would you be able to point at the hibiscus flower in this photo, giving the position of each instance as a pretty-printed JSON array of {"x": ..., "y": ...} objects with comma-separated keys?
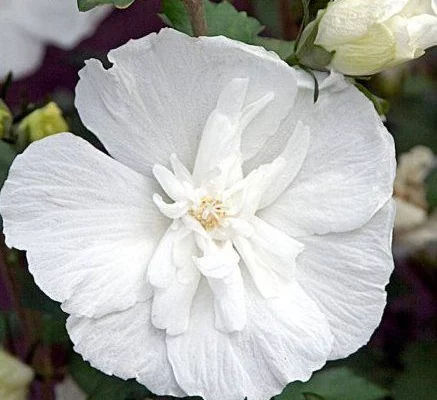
[
  {"x": 239, "y": 237},
  {"x": 27, "y": 26}
]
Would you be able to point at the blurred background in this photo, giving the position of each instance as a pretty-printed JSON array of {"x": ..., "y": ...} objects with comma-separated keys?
[{"x": 399, "y": 363}]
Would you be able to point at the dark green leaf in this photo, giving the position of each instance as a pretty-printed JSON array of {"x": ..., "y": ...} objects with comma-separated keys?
[
  {"x": 54, "y": 330},
  {"x": 99, "y": 386},
  {"x": 418, "y": 381},
  {"x": 412, "y": 117},
  {"x": 222, "y": 19},
  {"x": 312, "y": 396},
  {"x": 334, "y": 384},
  {"x": 32, "y": 296},
  {"x": 3, "y": 327},
  {"x": 85, "y": 5},
  {"x": 7, "y": 155}
]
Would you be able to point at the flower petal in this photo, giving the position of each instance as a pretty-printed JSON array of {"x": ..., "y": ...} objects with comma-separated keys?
[
  {"x": 348, "y": 173},
  {"x": 345, "y": 274},
  {"x": 270, "y": 256},
  {"x": 87, "y": 222},
  {"x": 294, "y": 155},
  {"x": 284, "y": 340},
  {"x": 220, "y": 267},
  {"x": 127, "y": 345},
  {"x": 173, "y": 84},
  {"x": 344, "y": 22},
  {"x": 177, "y": 285},
  {"x": 423, "y": 31},
  {"x": 20, "y": 52},
  {"x": 67, "y": 27}
]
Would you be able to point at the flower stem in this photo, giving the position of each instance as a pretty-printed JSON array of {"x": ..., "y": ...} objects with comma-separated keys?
[{"x": 196, "y": 11}]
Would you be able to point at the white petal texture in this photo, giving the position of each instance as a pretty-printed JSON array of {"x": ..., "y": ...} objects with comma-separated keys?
[
  {"x": 153, "y": 123},
  {"x": 239, "y": 238},
  {"x": 28, "y": 25},
  {"x": 97, "y": 220},
  {"x": 371, "y": 35}
]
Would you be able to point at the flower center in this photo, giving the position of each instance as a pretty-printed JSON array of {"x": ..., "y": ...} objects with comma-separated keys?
[{"x": 210, "y": 212}]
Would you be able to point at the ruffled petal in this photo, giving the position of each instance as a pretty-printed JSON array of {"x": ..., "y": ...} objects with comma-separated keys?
[
  {"x": 87, "y": 222},
  {"x": 176, "y": 286},
  {"x": 127, "y": 345},
  {"x": 220, "y": 267},
  {"x": 173, "y": 83},
  {"x": 346, "y": 275},
  {"x": 284, "y": 340},
  {"x": 348, "y": 173},
  {"x": 270, "y": 256}
]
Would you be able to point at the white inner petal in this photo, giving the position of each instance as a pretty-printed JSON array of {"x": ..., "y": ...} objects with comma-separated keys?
[{"x": 215, "y": 230}]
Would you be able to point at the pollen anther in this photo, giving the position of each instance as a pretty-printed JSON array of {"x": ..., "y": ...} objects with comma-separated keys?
[{"x": 210, "y": 212}]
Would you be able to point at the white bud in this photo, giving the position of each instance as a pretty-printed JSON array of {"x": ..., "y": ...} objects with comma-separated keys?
[{"x": 369, "y": 36}]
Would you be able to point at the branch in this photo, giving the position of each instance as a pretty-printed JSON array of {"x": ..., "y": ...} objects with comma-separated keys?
[{"x": 196, "y": 11}]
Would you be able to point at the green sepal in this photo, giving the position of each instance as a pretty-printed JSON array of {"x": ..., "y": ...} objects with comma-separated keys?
[
  {"x": 86, "y": 5},
  {"x": 309, "y": 54}
]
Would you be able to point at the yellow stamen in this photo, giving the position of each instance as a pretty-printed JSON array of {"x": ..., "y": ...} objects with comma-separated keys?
[{"x": 209, "y": 213}]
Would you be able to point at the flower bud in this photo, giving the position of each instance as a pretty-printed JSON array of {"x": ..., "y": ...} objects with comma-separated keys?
[
  {"x": 5, "y": 119},
  {"x": 43, "y": 122},
  {"x": 369, "y": 36},
  {"x": 15, "y": 377}
]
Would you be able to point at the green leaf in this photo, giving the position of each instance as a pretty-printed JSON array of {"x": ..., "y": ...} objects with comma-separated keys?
[
  {"x": 86, "y": 5},
  {"x": 418, "y": 381},
  {"x": 333, "y": 384},
  {"x": 99, "y": 386},
  {"x": 283, "y": 48},
  {"x": 221, "y": 18},
  {"x": 312, "y": 396}
]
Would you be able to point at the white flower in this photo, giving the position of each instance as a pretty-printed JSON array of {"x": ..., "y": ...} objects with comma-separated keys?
[
  {"x": 239, "y": 238},
  {"x": 15, "y": 377},
  {"x": 371, "y": 35},
  {"x": 26, "y": 26}
]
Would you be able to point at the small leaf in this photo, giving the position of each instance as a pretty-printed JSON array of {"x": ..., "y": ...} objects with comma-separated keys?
[
  {"x": 86, "y": 5},
  {"x": 334, "y": 384},
  {"x": 221, "y": 18}
]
